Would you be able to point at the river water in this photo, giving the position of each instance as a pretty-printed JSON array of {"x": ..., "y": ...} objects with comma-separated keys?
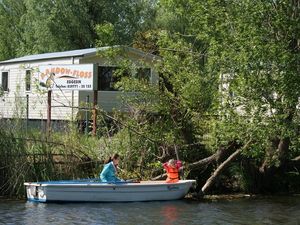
[{"x": 272, "y": 210}]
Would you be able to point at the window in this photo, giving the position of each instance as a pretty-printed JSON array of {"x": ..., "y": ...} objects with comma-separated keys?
[
  {"x": 28, "y": 80},
  {"x": 5, "y": 81},
  {"x": 144, "y": 74},
  {"x": 107, "y": 77}
]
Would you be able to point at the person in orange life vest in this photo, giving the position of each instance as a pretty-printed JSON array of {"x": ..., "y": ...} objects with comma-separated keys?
[{"x": 172, "y": 167}]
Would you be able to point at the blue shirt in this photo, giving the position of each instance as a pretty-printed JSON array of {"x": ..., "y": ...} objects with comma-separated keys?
[{"x": 108, "y": 173}]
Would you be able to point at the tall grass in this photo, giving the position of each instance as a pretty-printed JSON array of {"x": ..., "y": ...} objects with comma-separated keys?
[{"x": 30, "y": 157}]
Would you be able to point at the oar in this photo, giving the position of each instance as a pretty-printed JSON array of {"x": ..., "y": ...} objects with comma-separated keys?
[
  {"x": 177, "y": 157},
  {"x": 176, "y": 152}
]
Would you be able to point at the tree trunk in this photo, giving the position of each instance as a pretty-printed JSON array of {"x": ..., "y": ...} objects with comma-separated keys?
[
  {"x": 283, "y": 148},
  {"x": 221, "y": 168},
  {"x": 279, "y": 149}
]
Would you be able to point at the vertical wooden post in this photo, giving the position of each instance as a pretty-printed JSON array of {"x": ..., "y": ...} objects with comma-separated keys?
[
  {"x": 48, "y": 128},
  {"x": 95, "y": 112},
  {"x": 72, "y": 106},
  {"x": 87, "y": 101},
  {"x": 27, "y": 111}
]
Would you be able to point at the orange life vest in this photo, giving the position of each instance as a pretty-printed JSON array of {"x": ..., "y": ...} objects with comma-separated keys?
[{"x": 172, "y": 174}]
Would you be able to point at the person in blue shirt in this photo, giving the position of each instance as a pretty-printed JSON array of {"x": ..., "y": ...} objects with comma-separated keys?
[{"x": 109, "y": 171}]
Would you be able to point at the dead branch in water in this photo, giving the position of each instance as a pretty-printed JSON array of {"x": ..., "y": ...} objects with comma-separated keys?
[{"x": 221, "y": 168}]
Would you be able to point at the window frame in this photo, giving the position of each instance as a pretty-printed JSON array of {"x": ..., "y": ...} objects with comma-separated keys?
[
  {"x": 7, "y": 81},
  {"x": 113, "y": 79},
  {"x": 144, "y": 78},
  {"x": 100, "y": 81},
  {"x": 26, "y": 81}
]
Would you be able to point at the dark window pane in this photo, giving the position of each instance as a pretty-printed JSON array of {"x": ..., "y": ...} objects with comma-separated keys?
[
  {"x": 5, "y": 81},
  {"x": 105, "y": 78},
  {"x": 108, "y": 77},
  {"x": 144, "y": 74},
  {"x": 28, "y": 80}
]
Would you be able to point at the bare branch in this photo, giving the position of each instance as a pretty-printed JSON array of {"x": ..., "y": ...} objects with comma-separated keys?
[{"x": 221, "y": 168}]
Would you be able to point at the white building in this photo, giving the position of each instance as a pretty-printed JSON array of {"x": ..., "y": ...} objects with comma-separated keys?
[{"x": 16, "y": 79}]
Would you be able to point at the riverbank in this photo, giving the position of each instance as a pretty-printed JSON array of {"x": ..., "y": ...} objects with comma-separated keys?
[{"x": 231, "y": 197}]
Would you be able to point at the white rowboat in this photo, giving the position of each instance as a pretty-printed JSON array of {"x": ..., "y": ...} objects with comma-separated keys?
[{"x": 87, "y": 191}]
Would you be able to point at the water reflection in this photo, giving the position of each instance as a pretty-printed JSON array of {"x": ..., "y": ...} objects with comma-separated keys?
[
  {"x": 283, "y": 210},
  {"x": 169, "y": 214}
]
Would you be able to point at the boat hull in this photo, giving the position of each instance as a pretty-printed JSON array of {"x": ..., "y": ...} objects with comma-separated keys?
[{"x": 103, "y": 192}]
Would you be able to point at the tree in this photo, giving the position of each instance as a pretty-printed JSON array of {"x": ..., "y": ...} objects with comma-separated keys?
[
  {"x": 254, "y": 45},
  {"x": 47, "y": 26},
  {"x": 11, "y": 31},
  {"x": 265, "y": 69}
]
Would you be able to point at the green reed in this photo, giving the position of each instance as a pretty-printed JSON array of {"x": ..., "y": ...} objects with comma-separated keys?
[{"x": 33, "y": 157}]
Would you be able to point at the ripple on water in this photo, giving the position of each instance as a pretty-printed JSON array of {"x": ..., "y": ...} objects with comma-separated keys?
[{"x": 283, "y": 210}]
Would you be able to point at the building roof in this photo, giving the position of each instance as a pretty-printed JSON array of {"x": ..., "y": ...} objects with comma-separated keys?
[{"x": 73, "y": 53}]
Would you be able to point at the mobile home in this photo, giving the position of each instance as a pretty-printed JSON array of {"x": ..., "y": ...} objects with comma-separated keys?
[{"x": 23, "y": 97}]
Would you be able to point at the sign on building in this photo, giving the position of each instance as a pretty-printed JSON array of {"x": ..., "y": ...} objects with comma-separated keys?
[{"x": 67, "y": 77}]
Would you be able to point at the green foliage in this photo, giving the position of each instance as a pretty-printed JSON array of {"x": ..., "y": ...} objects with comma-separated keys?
[
  {"x": 29, "y": 157},
  {"x": 1, "y": 91},
  {"x": 264, "y": 76},
  {"x": 229, "y": 72},
  {"x": 11, "y": 13},
  {"x": 137, "y": 150},
  {"x": 106, "y": 34},
  {"x": 249, "y": 49},
  {"x": 32, "y": 26}
]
